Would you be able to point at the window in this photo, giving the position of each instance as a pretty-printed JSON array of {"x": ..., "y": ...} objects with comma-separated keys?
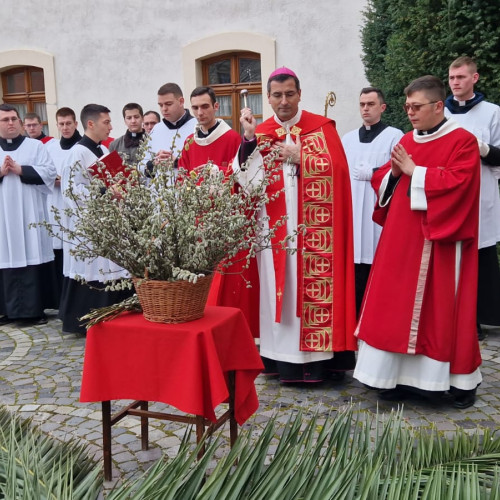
[
  {"x": 24, "y": 88},
  {"x": 228, "y": 74}
]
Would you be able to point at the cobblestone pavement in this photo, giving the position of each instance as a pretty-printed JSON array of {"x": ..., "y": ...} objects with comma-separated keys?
[{"x": 40, "y": 376}]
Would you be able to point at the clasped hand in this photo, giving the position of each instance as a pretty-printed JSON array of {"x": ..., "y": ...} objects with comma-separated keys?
[
  {"x": 9, "y": 165},
  {"x": 401, "y": 162}
]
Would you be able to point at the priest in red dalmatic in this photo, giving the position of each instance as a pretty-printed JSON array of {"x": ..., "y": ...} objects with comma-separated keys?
[
  {"x": 418, "y": 321},
  {"x": 307, "y": 309},
  {"x": 214, "y": 140}
]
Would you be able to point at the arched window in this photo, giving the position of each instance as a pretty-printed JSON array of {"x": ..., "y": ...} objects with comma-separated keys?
[
  {"x": 24, "y": 88},
  {"x": 230, "y": 73}
]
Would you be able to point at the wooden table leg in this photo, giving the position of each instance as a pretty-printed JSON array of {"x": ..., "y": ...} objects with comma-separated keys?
[
  {"x": 233, "y": 425},
  {"x": 200, "y": 430},
  {"x": 106, "y": 439},
  {"x": 144, "y": 426}
]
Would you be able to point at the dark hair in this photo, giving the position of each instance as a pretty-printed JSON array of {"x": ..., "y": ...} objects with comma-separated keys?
[
  {"x": 433, "y": 87},
  {"x": 282, "y": 78},
  {"x": 170, "y": 88},
  {"x": 130, "y": 106},
  {"x": 92, "y": 112},
  {"x": 368, "y": 90},
  {"x": 66, "y": 112},
  {"x": 158, "y": 117},
  {"x": 204, "y": 90},
  {"x": 9, "y": 107},
  {"x": 33, "y": 116}
]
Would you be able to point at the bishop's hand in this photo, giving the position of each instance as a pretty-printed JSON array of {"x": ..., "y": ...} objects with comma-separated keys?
[
  {"x": 288, "y": 152},
  {"x": 249, "y": 123}
]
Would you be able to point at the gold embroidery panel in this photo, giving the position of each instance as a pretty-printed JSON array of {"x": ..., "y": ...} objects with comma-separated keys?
[{"x": 317, "y": 256}]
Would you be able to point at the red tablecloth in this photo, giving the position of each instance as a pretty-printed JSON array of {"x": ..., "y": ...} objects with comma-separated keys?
[{"x": 183, "y": 365}]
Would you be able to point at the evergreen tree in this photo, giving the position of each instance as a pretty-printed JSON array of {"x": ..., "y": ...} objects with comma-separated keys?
[{"x": 405, "y": 39}]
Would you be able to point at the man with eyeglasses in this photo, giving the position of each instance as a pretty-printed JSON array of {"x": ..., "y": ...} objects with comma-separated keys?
[
  {"x": 307, "y": 309},
  {"x": 482, "y": 118},
  {"x": 151, "y": 118},
  {"x": 34, "y": 128},
  {"x": 417, "y": 328},
  {"x": 27, "y": 176},
  {"x": 367, "y": 148}
]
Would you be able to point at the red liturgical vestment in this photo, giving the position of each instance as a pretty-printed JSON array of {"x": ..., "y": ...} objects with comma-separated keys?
[
  {"x": 421, "y": 294},
  {"x": 219, "y": 148},
  {"x": 228, "y": 289},
  {"x": 311, "y": 292}
]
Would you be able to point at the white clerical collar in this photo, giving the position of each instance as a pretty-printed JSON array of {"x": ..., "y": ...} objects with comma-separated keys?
[
  {"x": 287, "y": 125},
  {"x": 219, "y": 131},
  {"x": 447, "y": 127},
  {"x": 464, "y": 103},
  {"x": 9, "y": 141}
]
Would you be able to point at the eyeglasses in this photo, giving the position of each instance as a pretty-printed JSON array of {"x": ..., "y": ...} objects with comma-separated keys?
[
  {"x": 279, "y": 95},
  {"x": 7, "y": 120},
  {"x": 32, "y": 125},
  {"x": 416, "y": 107}
]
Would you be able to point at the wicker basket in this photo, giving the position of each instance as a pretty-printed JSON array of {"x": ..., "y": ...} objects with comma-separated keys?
[{"x": 172, "y": 301}]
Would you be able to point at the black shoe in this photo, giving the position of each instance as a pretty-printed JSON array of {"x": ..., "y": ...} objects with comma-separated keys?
[
  {"x": 395, "y": 394},
  {"x": 337, "y": 376},
  {"x": 270, "y": 367},
  {"x": 480, "y": 333},
  {"x": 465, "y": 400},
  {"x": 40, "y": 320},
  {"x": 4, "y": 320}
]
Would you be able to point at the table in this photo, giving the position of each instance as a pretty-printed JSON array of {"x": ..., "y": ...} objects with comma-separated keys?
[{"x": 192, "y": 366}]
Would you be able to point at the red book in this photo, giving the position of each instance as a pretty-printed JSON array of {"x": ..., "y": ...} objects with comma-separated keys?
[{"x": 113, "y": 164}]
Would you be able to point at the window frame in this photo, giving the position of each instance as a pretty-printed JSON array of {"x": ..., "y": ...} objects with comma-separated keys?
[
  {"x": 234, "y": 88},
  {"x": 28, "y": 96}
]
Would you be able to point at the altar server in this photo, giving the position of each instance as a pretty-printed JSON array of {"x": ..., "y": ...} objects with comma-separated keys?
[{"x": 27, "y": 176}]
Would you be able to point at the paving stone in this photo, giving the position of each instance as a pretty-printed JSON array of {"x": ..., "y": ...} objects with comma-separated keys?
[
  {"x": 125, "y": 438},
  {"x": 40, "y": 376},
  {"x": 29, "y": 408},
  {"x": 124, "y": 456}
]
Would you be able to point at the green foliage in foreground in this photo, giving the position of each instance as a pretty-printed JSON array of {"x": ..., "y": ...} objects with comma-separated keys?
[
  {"x": 352, "y": 455},
  {"x": 34, "y": 466}
]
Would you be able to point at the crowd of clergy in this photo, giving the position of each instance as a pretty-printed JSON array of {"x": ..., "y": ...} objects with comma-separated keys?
[{"x": 399, "y": 228}]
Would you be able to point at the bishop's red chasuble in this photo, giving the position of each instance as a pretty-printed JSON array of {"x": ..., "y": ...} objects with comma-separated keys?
[
  {"x": 325, "y": 262},
  {"x": 421, "y": 294}
]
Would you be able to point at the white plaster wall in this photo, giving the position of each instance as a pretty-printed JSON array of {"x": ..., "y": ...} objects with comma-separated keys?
[{"x": 115, "y": 51}]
